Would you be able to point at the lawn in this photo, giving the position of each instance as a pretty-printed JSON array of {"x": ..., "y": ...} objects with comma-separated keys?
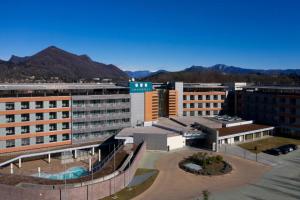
[
  {"x": 268, "y": 143},
  {"x": 128, "y": 193}
]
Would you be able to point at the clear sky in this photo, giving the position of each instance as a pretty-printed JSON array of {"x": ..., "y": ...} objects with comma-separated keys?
[{"x": 157, "y": 34}]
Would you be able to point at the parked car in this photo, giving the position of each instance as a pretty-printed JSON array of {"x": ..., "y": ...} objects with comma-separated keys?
[
  {"x": 285, "y": 149},
  {"x": 290, "y": 147},
  {"x": 274, "y": 151}
]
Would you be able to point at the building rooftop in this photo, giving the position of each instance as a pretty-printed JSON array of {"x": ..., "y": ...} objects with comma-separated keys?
[
  {"x": 242, "y": 129},
  {"x": 273, "y": 87},
  {"x": 204, "y": 85},
  {"x": 128, "y": 132},
  {"x": 188, "y": 121},
  {"x": 59, "y": 86}
]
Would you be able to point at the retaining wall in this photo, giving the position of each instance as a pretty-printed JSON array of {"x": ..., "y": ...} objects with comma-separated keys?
[{"x": 87, "y": 192}]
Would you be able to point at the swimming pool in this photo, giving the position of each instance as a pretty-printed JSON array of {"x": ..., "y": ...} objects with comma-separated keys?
[{"x": 71, "y": 173}]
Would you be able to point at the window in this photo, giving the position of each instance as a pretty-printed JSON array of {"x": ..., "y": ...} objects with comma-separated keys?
[
  {"x": 293, "y": 101},
  {"x": 24, "y": 117},
  {"x": 10, "y": 130},
  {"x": 39, "y": 140},
  {"x": 192, "y": 105},
  {"x": 25, "y": 105},
  {"x": 25, "y": 141},
  {"x": 207, "y": 112},
  {"x": 10, "y": 143},
  {"x": 65, "y": 114},
  {"x": 52, "y": 127},
  {"x": 52, "y": 104},
  {"x": 65, "y": 137},
  {"x": 207, "y": 105},
  {"x": 78, "y": 103},
  {"x": 39, "y": 128},
  {"x": 25, "y": 129},
  {"x": 52, "y": 115},
  {"x": 10, "y": 106},
  {"x": 200, "y": 105},
  {"x": 184, "y": 97},
  {"x": 192, "y": 97},
  {"x": 52, "y": 138},
  {"x": 222, "y": 97},
  {"x": 39, "y": 104},
  {"x": 215, "y": 97},
  {"x": 10, "y": 118},
  {"x": 199, "y": 113},
  {"x": 184, "y": 105},
  {"x": 216, "y": 112},
  {"x": 200, "y": 97},
  {"x": 207, "y": 97},
  {"x": 215, "y": 105},
  {"x": 184, "y": 113},
  {"x": 65, "y": 125},
  {"x": 192, "y": 113},
  {"x": 39, "y": 116},
  {"x": 65, "y": 103}
]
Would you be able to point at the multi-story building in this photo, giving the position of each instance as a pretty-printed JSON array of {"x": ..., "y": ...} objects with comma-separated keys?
[
  {"x": 274, "y": 105},
  {"x": 34, "y": 116},
  {"x": 151, "y": 101}
]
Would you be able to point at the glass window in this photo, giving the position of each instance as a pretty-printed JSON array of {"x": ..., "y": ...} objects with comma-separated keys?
[
  {"x": 25, "y": 105},
  {"x": 39, "y": 128},
  {"x": 52, "y": 104},
  {"x": 192, "y": 105},
  {"x": 65, "y": 125},
  {"x": 10, "y": 118},
  {"x": 184, "y": 105},
  {"x": 207, "y": 105},
  {"x": 192, "y": 97},
  {"x": 65, "y": 137},
  {"x": 207, "y": 97},
  {"x": 25, "y": 129},
  {"x": 10, "y": 130},
  {"x": 52, "y": 127},
  {"x": 39, "y": 116},
  {"x": 184, "y": 97},
  {"x": 215, "y": 97},
  {"x": 65, "y": 103},
  {"x": 39, "y": 104},
  {"x": 10, "y": 143},
  {"x": 52, "y": 115},
  {"x": 10, "y": 106},
  {"x": 207, "y": 112},
  {"x": 192, "y": 113},
  {"x": 200, "y": 97},
  {"x": 39, "y": 140},
  {"x": 53, "y": 138},
  {"x": 25, "y": 141},
  {"x": 24, "y": 117},
  {"x": 200, "y": 105},
  {"x": 199, "y": 113},
  {"x": 184, "y": 113},
  {"x": 65, "y": 114}
]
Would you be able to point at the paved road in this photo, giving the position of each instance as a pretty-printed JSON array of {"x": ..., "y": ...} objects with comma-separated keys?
[
  {"x": 282, "y": 183},
  {"x": 174, "y": 183}
]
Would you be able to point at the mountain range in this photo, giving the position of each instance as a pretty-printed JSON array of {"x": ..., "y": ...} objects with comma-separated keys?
[{"x": 56, "y": 65}]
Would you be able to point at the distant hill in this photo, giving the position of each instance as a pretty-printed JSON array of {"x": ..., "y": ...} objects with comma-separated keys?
[
  {"x": 54, "y": 64},
  {"x": 143, "y": 74},
  {"x": 223, "y": 73}
]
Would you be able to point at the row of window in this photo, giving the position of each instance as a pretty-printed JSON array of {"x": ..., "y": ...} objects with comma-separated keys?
[
  {"x": 38, "y": 128},
  {"x": 39, "y": 140},
  {"x": 100, "y": 101},
  {"x": 99, "y": 112},
  {"x": 38, "y": 104},
  {"x": 38, "y": 116},
  {"x": 82, "y": 136},
  {"x": 102, "y": 122},
  {"x": 201, "y": 97},
  {"x": 200, "y": 113},
  {"x": 200, "y": 105}
]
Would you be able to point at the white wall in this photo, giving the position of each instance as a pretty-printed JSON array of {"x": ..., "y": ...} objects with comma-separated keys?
[{"x": 175, "y": 142}]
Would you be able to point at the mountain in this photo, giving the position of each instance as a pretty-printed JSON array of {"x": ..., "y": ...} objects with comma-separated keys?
[
  {"x": 57, "y": 64},
  {"x": 223, "y": 73},
  {"x": 143, "y": 74}
]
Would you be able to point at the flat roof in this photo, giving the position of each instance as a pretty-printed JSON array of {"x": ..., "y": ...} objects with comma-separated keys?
[
  {"x": 128, "y": 132},
  {"x": 241, "y": 129},
  {"x": 189, "y": 120},
  {"x": 226, "y": 119},
  {"x": 204, "y": 85},
  {"x": 272, "y": 87},
  {"x": 59, "y": 86}
]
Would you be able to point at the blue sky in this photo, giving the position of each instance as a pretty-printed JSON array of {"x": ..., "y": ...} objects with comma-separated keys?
[{"x": 157, "y": 34}]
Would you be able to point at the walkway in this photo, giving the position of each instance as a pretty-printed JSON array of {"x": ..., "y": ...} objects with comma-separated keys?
[{"x": 174, "y": 183}]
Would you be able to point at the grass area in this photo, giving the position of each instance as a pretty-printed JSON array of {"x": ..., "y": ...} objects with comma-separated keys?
[
  {"x": 268, "y": 143},
  {"x": 129, "y": 193}
]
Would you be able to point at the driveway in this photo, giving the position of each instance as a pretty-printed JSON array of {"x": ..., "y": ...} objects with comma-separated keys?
[{"x": 174, "y": 183}]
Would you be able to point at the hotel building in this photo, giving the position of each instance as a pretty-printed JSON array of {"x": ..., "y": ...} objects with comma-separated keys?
[{"x": 34, "y": 116}]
